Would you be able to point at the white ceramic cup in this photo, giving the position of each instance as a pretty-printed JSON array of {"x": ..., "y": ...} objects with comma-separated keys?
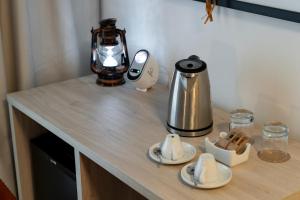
[
  {"x": 171, "y": 148},
  {"x": 206, "y": 169}
]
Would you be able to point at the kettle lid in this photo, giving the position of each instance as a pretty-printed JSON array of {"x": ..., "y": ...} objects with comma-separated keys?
[{"x": 192, "y": 64}]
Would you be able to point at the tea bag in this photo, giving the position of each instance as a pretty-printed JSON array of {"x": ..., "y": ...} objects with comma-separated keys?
[{"x": 235, "y": 140}]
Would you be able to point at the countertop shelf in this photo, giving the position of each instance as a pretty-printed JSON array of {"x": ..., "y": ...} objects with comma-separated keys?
[{"x": 113, "y": 127}]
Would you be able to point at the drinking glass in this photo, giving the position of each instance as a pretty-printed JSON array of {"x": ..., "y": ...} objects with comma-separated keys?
[
  {"x": 242, "y": 120},
  {"x": 274, "y": 143}
]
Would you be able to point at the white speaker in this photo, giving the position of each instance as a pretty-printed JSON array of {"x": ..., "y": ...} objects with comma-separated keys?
[{"x": 143, "y": 71}]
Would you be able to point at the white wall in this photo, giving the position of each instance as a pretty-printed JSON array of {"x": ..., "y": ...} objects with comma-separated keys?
[{"x": 253, "y": 61}]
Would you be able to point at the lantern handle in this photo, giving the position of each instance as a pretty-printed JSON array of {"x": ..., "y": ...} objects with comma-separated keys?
[{"x": 123, "y": 40}]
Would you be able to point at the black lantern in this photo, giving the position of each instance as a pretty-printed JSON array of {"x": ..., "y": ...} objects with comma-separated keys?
[{"x": 109, "y": 57}]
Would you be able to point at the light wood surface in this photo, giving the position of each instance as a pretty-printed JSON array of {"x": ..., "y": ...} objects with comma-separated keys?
[
  {"x": 99, "y": 184},
  {"x": 78, "y": 174},
  {"x": 295, "y": 196},
  {"x": 113, "y": 127}
]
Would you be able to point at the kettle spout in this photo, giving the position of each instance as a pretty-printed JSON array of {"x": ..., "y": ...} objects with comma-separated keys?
[{"x": 188, "y": 80}]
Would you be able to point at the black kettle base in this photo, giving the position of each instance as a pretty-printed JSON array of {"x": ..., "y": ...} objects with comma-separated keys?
[{"x": 190, "y": 133}]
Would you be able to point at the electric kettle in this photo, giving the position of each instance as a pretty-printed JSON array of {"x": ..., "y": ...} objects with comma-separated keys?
[{"x": 190, "y": 112}]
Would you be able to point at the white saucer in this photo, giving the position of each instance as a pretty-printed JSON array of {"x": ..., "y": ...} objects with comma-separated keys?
[
  {"x": 225, "y": 175},
  {"x": 189, "y": 154}
]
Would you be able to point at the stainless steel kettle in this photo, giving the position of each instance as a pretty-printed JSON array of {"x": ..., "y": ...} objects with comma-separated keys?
[{"x": 190, "y": 112}]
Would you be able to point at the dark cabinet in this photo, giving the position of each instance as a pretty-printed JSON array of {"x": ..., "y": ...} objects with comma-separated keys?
[{"x": 53, "y": 166}]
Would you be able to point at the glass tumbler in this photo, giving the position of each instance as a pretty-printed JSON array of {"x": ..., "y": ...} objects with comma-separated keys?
[
  {"x": 274, "y": 143},
  {"x": 242, "y": 120}
]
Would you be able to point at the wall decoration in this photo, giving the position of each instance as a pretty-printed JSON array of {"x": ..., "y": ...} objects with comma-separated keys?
[{"x": 287, "y": 10}]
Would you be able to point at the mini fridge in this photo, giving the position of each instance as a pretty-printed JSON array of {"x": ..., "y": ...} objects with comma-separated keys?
[{"x": 53, "y": 168}]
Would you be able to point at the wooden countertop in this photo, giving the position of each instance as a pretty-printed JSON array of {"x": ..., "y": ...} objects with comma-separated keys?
[{"x": 115, "y": 126}]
